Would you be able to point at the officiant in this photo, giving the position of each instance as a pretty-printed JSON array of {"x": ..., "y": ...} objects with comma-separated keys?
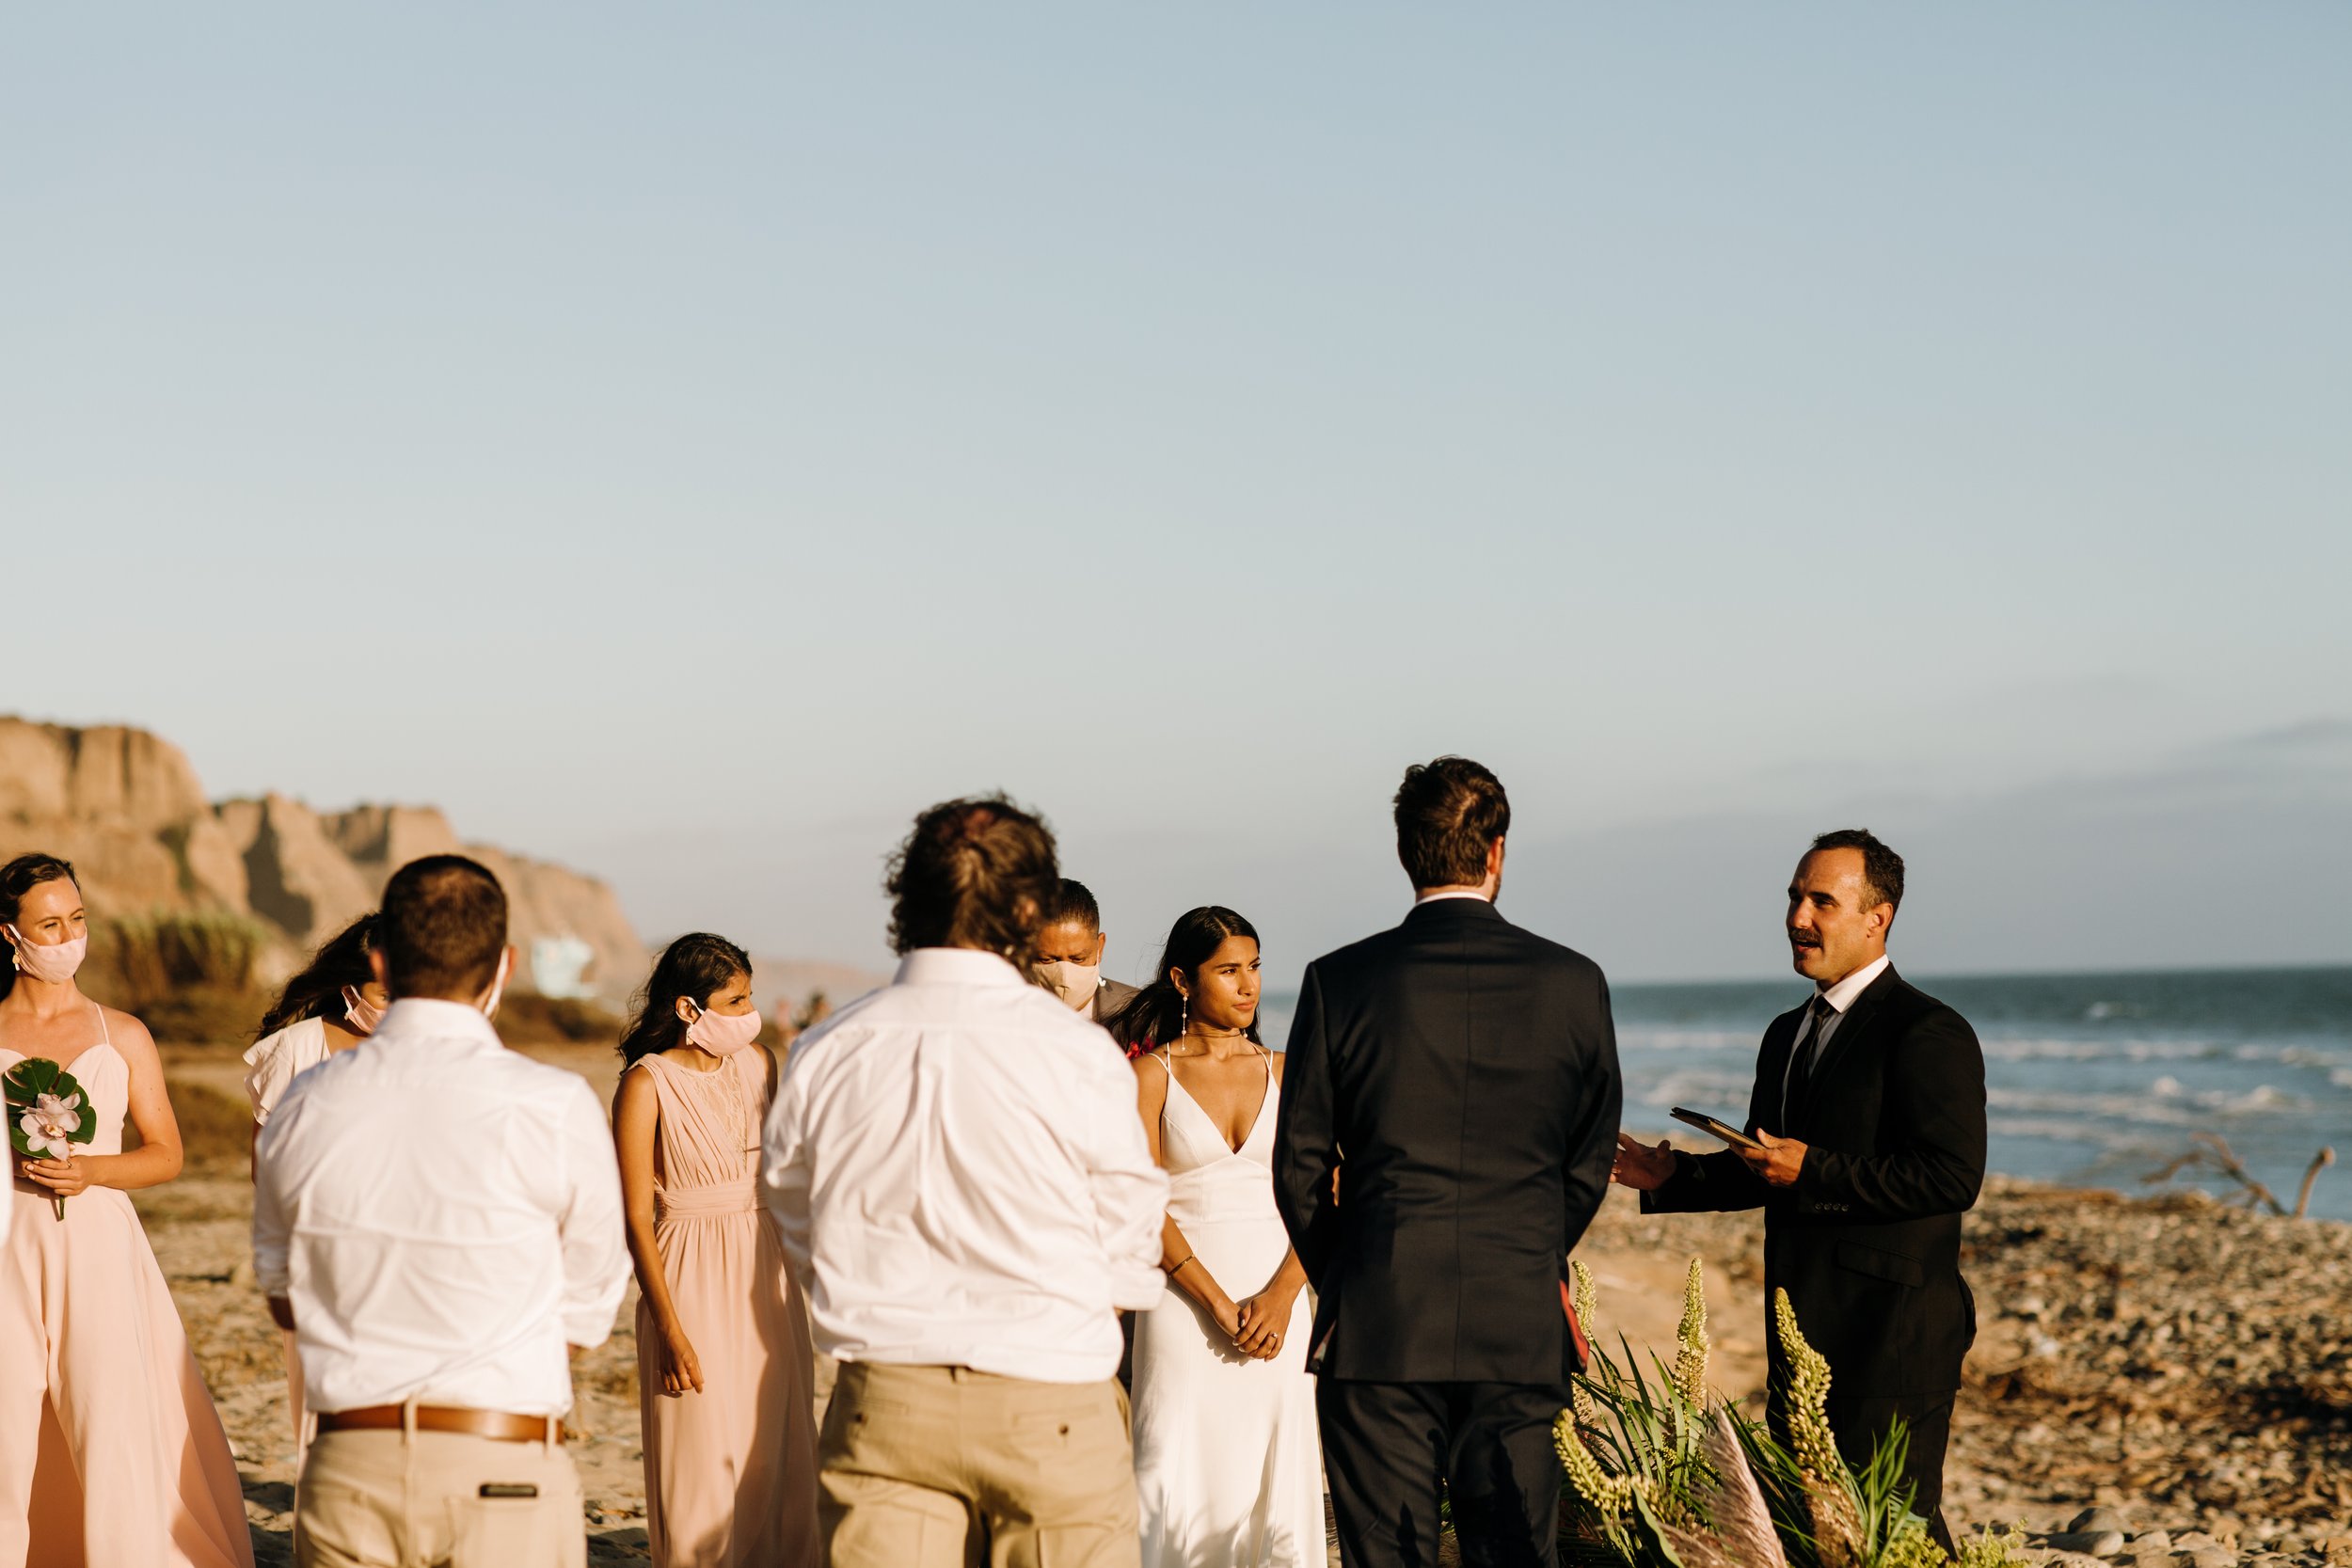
[{"x": 1868, "y": 1128}]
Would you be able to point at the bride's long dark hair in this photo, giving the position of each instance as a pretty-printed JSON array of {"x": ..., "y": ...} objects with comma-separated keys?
[{"x": 1155, "y": 1015}]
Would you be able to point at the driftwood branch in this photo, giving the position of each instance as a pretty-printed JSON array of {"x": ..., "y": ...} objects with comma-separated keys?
[
  {"x": 2213, "y": 1152},
  {"x": 2320, "y": 1162}
]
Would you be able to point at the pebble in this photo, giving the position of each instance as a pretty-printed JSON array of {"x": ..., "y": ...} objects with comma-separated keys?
[
  {"x": 2088, "y": 1543},
  {"x": 2099, "y": 1521}
]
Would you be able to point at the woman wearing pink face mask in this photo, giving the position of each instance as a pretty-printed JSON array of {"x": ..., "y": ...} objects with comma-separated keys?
[
  {"x": 724, "y": 1357},
  {"x": 333, "y": 1004},
  {"x": 120, "y": 1393}
]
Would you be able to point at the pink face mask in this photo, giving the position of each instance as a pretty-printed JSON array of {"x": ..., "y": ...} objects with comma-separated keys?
[
  {"x": 722, "y": 1034},
  {"x": 55, "y": 963},
  {"x": 361, "y": 1014}
]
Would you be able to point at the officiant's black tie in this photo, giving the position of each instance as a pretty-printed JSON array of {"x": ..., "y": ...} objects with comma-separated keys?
[{"x": 1818, "y": 1013}]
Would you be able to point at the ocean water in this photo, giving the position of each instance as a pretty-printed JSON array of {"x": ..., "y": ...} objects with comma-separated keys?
[{"x": 2091, "y": 1079}]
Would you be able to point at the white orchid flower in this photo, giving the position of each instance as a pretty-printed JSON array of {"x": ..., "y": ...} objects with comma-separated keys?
[{"x": 49, "y": 1125}]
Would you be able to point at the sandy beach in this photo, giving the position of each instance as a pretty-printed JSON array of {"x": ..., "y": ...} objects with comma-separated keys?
[{"x": 2181, "y": 1368}]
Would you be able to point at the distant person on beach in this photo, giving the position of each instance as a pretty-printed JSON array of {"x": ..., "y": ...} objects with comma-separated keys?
[
  {"x": 438, "y": 1218},
  {"x": 1227, "y": 1466},
  {"x": 331, "y": 1006},
  {"x": 1459, "y": 1077},
  {"x": 91, "y": 1348},
  {"x": 723, "y": 1361},
  {"x": 1869, "y": 1105},
  {"x": 1070, "y": 948},
  {"x": 967, "y": 1198}
]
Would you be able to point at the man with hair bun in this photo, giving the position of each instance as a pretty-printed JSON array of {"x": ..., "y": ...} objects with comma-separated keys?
[
  {"x": 1869, "y": 1124},
  {"x": 967, "y": 1196},
  {"x": 435, "y": 1218}
]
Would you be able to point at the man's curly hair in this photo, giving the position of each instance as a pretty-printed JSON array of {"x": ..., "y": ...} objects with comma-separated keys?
[{"x": 978, "y": 872}]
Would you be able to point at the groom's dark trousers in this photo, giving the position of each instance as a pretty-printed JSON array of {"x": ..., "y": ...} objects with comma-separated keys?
[{"x": 1458, "y": 1077}]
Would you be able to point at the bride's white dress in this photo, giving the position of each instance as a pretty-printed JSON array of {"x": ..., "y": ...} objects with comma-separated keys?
[{"x": 1227, "y": 1459}]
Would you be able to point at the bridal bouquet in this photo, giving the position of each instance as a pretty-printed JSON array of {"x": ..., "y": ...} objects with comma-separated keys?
[{"x": 48, "y": 1113}]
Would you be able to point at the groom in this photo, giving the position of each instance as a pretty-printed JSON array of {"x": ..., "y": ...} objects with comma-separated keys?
[{"x": 1456, "y": 1080}]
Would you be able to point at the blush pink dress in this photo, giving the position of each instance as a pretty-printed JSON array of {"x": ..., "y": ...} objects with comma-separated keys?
[
  {"x": 731, "y": 1471},
  {"x": 97, "y": 1380}
]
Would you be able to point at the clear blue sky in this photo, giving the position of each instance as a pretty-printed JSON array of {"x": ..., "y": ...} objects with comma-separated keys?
[{"x": 684, "y": 440}]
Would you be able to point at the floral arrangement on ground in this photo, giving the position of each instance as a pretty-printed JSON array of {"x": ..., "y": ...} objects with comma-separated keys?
[{"x": 1663, "y": 1473}]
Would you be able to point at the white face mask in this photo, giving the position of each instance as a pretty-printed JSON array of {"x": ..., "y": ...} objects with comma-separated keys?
[
  {"x": 361, "y": 1014},
  {"x": 722, "y": 1033},
  {"x": 1075, "y": 984},
  {"x": 498, "y": 987},
  {"x": 55, "y": 963}
]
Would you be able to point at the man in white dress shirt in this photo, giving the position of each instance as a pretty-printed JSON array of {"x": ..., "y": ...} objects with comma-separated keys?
[
  {"x": 437, "y": 1218},
  {"x": 967, "y": 1196}
]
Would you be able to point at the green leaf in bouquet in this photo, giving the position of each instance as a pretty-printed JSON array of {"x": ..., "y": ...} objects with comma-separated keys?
[{"x": 38, "y": 1080}]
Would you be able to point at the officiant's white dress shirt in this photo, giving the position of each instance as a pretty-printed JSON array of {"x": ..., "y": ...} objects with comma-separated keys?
[
  {"x": 445, "y": 1216},
  {"x": 960, "y": 1178}
]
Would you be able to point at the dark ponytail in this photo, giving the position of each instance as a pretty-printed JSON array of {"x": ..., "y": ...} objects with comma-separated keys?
[
  {"x": 1155, "y": 1015},
  {"x": 17, "y": 879},
  {"x": 340, "y": 960},
  {"x": 697, "y": 966}
]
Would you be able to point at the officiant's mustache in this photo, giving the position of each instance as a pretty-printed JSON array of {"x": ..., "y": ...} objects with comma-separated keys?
[{"x": 1805, "y": 939}]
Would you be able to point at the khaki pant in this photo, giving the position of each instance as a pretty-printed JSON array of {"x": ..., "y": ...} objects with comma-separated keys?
[
  {"x": 947, "y": 1467},
  {"x": 391, "y": 1500}
]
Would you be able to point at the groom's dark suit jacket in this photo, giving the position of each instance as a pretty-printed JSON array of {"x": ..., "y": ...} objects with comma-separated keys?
[
  {"x": 1464, "y": 1071},
  {"x": 1866, "y": 1243}
]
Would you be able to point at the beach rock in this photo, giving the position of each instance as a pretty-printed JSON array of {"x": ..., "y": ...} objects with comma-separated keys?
[
  {"x": 2098, "y": 1521},
  {"x": 2088, "y": 1542}
]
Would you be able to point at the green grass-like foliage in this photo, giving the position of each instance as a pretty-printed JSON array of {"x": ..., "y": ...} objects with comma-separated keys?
[{"x": 1661, "y": 1474}]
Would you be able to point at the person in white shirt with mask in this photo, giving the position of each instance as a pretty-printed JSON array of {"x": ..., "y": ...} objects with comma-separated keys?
[
  {"x": 966, "y": 1196},
  {"x": 437, "y": 1218}
]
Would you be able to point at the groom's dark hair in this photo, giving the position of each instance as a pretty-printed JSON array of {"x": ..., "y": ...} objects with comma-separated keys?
[{"x": 1448, "y": 811}]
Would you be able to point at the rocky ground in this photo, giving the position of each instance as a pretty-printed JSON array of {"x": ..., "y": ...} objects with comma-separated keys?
[
  {"x": 2155, "y": 1383},
  {"x": 2159, "y": 1383}
]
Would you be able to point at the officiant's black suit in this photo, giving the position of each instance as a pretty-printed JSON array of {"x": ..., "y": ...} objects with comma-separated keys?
[
  {"x": 1867, "y": 1243},
  {"x": 1461, "y": 1075}
]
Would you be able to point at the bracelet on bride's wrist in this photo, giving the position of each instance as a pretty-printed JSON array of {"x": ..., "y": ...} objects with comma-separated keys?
[{"x": 1172, "y": 1270}]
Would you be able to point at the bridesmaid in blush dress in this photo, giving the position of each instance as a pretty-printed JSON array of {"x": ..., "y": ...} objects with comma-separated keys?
[
  {"x": 117, "y": 1395},
  {"x": 724, "y": 1355},
  {"x": 1229, "y": 1464},
  {"x": 334, "y": 1004}
]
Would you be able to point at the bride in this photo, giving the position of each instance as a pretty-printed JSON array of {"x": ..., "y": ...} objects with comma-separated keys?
[{"x": 1227, "y": 1461}]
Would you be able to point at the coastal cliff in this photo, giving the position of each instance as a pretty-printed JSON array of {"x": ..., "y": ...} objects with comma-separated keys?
[{"x": 127, "y": 808}]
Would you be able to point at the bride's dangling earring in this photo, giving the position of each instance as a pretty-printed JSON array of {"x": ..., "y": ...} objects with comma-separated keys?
[{"x": 1183, "y": 1014}]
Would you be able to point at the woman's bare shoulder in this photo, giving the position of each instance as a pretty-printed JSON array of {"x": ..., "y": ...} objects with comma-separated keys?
[{"x": 126, "y": 1032}]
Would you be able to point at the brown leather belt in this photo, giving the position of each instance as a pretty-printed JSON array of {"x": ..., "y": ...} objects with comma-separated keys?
[{"x": 442, "y": 1417}]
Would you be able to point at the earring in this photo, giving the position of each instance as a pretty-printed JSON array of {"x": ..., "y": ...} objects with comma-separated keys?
[{"x": 1184, "y": 1012}]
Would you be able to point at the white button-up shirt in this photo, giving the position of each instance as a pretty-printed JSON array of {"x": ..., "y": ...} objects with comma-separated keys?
[
  {"x": 445, "y": 1216},
  {"x": 960, "y": 1178}
]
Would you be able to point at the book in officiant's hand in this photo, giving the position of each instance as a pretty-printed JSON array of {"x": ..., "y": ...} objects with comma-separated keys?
[{"x": 1721, "y": 1129}]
